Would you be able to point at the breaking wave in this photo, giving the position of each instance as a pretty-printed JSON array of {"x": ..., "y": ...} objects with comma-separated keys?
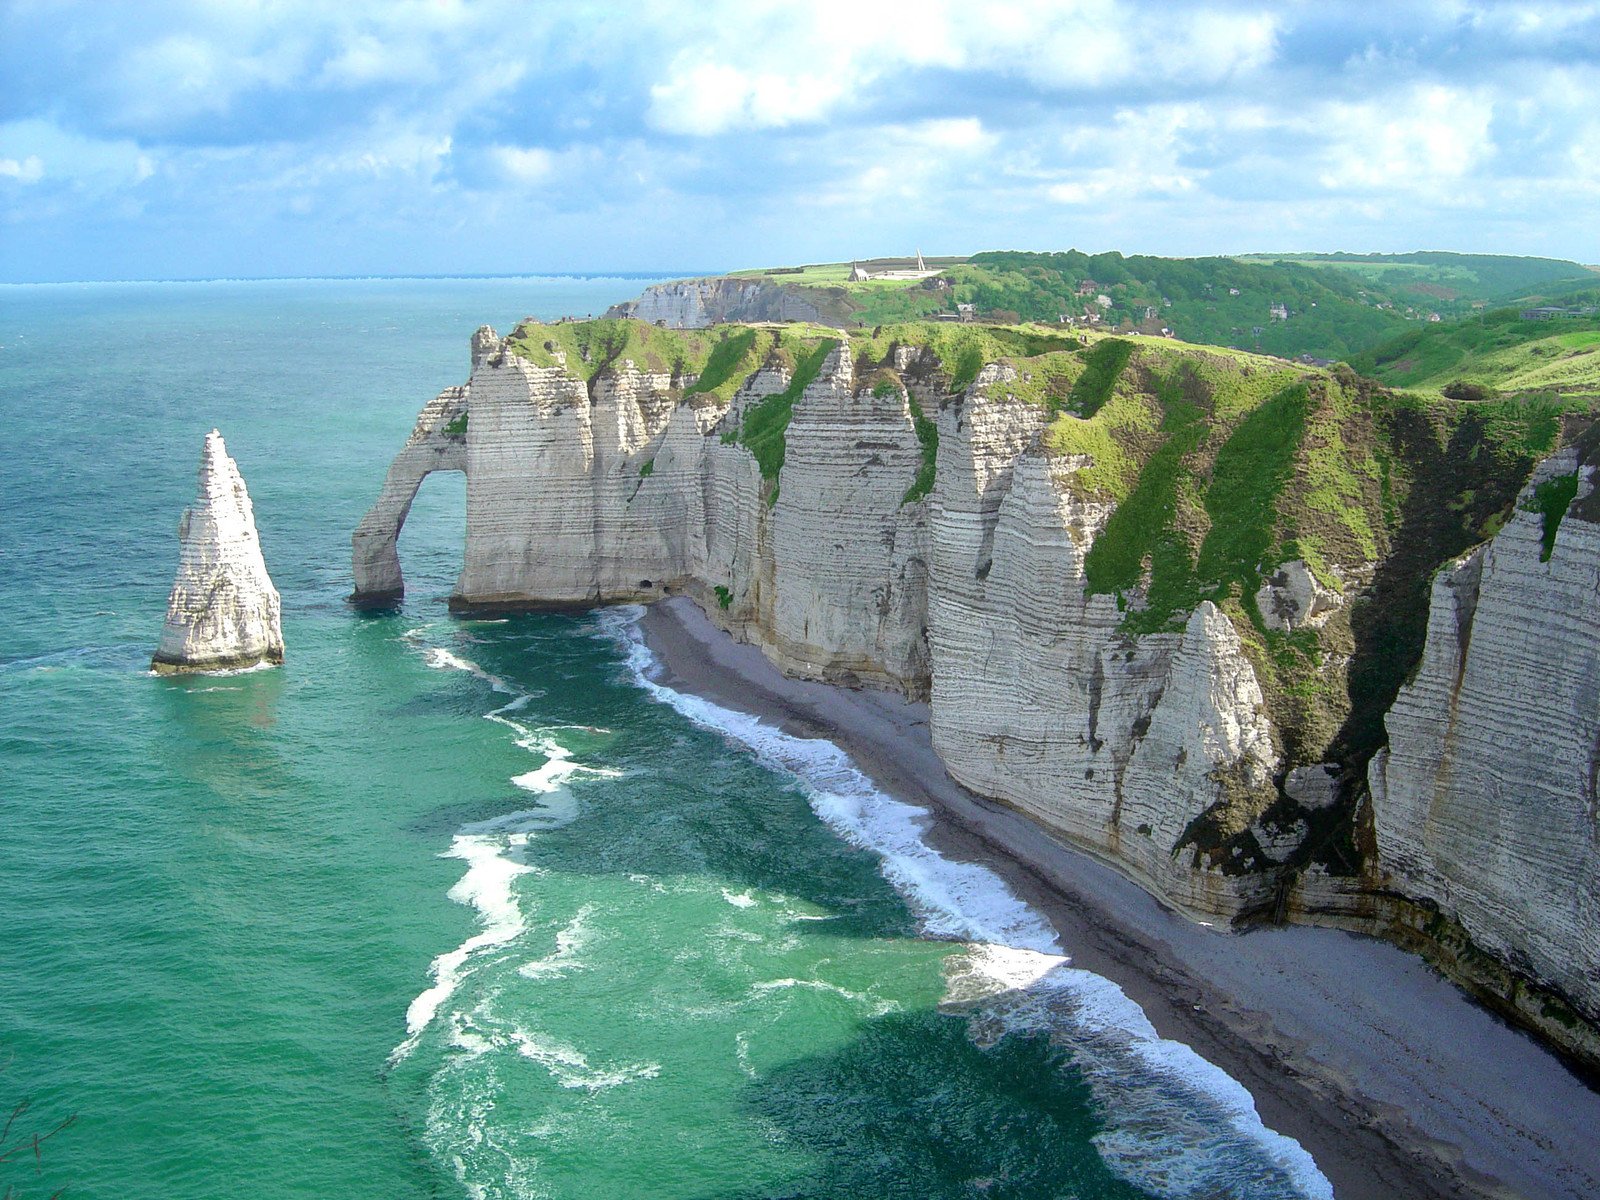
[{"x": 1178, "y": 1126}]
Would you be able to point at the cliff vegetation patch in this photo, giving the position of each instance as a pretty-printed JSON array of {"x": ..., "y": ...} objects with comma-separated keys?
[
  {"x": 960, "y": 351},
  {"x": 1550, "y": 500},
  {"x": 765, "y": 423},
  {"x": 928, "y": 436}
]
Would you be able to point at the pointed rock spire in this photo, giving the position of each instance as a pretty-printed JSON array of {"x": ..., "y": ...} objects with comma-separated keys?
[{"x": 223, "y": 612}]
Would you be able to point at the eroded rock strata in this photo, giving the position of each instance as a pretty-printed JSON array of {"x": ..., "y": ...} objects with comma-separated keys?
[
  {"x": 1159, "y": 599},
  {"x": 1484, "y": 801},
  {"x": 223, "y": 612}
]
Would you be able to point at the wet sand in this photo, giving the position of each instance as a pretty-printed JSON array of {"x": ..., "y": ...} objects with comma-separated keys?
[{"x": 1396, "y": 1083}]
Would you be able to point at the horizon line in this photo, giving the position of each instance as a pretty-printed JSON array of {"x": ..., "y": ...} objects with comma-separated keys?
[{"x": 453, "y": 275}]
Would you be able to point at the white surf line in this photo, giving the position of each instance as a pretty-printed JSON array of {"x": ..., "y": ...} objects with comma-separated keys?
[
  {"x": 1012, "y": 949},
  {"x": 489, "y": 847}
]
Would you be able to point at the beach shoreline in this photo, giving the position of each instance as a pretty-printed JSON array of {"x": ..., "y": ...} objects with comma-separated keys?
[{"x": 1394, "y": 1081}]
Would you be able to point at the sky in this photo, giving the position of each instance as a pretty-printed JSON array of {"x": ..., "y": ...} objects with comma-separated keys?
[{"x": 203, "y": 138}]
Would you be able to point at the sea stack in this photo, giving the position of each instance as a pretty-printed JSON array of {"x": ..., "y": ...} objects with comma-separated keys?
[{"x": 223, "y": 611}]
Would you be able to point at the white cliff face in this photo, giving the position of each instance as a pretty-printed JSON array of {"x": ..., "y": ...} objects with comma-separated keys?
[
  {"x": 624, "y": 489},
  {"x": 437, "y": 443},
  {"x": 849, "y": 555},
  {"x": 1119, "y": 743},
  {"x": 698, "y": 303},
  {"x": 223, "y": 612},
  {"x": 1485, "y": 801}
]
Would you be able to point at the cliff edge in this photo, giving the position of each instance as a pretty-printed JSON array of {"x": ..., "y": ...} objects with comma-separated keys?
[{"x": 223, "y": 612}]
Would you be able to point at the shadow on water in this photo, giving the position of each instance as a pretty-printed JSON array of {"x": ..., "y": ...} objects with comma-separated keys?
[
  {"x": 688, "y": 801},
  {"x": 1044, "y": 1090},
  {"x": 914, "y": 1109}
]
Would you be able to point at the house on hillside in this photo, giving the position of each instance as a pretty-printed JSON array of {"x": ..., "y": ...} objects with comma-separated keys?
[
  {"x": 1087, "y": 287},
  {"x": 1278, "y": 312}
]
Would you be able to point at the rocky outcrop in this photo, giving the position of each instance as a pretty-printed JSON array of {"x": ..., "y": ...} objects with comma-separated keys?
[
  {"x": 699, "y": 303},
  {"x": 223, "y": 612},
  {"x": 1293, "y": 598},
  {"x": 1484, "y": 802}
]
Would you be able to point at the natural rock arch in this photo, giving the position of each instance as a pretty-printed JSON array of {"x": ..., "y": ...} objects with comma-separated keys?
[{"x": 437, "y": 443}]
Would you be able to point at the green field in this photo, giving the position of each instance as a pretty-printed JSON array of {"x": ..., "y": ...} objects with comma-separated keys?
[
  {"x": 1450, "y": 284},
  {"x": 1497, "y": 351}
]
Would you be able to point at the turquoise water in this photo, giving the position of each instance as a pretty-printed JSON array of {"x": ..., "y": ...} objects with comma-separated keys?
[{"x": 468, "y": 908}]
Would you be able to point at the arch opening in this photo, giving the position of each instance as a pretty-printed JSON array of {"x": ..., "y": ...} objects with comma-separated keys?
[{"x": 431, "y": 538}]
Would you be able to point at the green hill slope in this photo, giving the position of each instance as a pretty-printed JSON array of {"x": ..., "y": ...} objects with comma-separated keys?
[
  {"x": 1498, "y": 351},
  {"x": 1319, "y": 306},
  {"x": 1438, "y": 281},
  {"x": 1219, "y": 301}
]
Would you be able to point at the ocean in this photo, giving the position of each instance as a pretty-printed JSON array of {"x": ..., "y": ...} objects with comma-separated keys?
[{"x": 471, "y": 908}]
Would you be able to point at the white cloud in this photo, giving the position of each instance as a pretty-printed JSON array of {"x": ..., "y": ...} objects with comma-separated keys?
[
  {"x": 1193, "y": 122},
  {"x": 367, "y": 59},
  {"x": 26, "y": 170},
  {"x": 953, "y": 133},
  {"x": 523, "y": 164},
  {"x": 840, "y": 49},
  {"x": 704, "y": 98},
  {"x": 1426, "y": 141}
]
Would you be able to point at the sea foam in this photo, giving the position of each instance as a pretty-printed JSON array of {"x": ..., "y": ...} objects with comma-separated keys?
[
  {"x": 1166, "y": 1106},
  {"x": 491, "y": 848}
]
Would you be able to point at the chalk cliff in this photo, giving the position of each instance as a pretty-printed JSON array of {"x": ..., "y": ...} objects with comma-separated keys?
[
  {"x": 1484, "y": 801},
  {"x": 1142, "y": 588},
  {"x": 698, "y": 303},
  {"x": 223, "y": 612}
]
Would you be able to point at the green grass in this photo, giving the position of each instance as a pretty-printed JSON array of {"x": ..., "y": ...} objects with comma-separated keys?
[
  {"x": 1529, "y": 425},
  {"x": 928, "y": 436},
  {"x": 1103, "y": 366},
  {"x": 962, "y": 350},
  {"x": 1144, "y": 518},
  {"x": 1551, "y": 500},
  {"x": 1251, "y": 469},
  {"x": 730, "y": 363},
  {"x": 590, "y": 348},
  {"x": 457, "y": 427},
  {"x": 647, "y": 469},
  {"x": 1497, "y": 350},
  {"x": 763, "y": 430},
  {"x": 724, "y": 596}
]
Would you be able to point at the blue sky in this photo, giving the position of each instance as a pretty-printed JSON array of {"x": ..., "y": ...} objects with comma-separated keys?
[{"x": 291, "y": 137}]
